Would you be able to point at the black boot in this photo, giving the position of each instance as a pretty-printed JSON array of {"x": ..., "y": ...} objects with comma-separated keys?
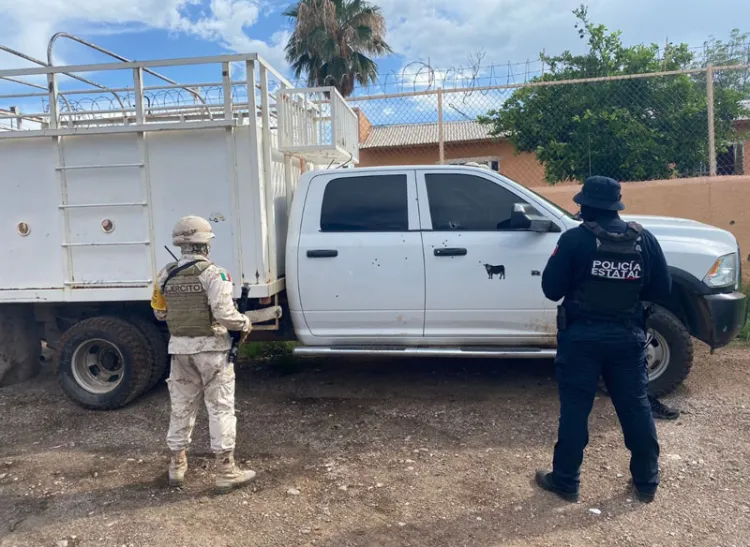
[
  {"x": 662, "y": 411},
  {"x": 544, "y": 481},
  {"x": 643, "y": 497}
]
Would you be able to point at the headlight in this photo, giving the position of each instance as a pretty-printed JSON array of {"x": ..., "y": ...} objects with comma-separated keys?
[{"x": 723, "y": 273}]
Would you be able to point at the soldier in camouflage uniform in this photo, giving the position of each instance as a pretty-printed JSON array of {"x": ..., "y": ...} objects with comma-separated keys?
[{"x": 194, "y": 297}]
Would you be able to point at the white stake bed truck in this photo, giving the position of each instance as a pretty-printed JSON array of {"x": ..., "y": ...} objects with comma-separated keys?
[{"x": 428, "y": 261}]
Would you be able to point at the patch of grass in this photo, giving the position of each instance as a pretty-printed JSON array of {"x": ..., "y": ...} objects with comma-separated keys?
[
  {"x": 744, "y": 335},
  {"x": 266, "y": 351},
  {"x": 277, "y": 355}
]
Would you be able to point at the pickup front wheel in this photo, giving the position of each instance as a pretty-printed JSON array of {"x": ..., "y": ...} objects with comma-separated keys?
[{"x": 669, "y": 352}]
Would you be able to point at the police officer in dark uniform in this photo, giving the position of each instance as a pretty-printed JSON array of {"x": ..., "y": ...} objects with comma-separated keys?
[
  {"x": 604, "y": 270},
  {"x": 659, "y": 410}
]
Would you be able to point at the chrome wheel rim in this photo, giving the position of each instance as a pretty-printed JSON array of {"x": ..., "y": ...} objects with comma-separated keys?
[
  {"x": 98, "y": 366},
  {"x": 657, "y": 354}
]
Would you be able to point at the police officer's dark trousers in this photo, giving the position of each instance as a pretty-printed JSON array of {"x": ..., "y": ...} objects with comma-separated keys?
[{"x": 586, "y": 351}]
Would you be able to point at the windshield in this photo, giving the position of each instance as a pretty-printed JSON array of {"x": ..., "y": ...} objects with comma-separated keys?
[{"x": 554, "y": 205}]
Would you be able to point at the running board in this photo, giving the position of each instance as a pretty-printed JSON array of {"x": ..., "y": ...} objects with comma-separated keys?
[{"x": 481, "y": 353}]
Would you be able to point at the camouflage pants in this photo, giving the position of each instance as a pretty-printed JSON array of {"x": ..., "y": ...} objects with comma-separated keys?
[{"x": 207, "y": 377}]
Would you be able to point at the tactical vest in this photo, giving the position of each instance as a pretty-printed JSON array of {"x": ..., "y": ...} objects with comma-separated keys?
[
  {"x": 614, "y": 277},
  {"x": 188, "y": 310}
]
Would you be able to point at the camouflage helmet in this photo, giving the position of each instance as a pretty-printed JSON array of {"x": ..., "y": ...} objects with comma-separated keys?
[{"x": 192, "y": 230}]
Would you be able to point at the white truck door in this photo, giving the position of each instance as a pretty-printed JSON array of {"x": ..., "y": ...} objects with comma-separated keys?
[
  {"x": 360, "y": 262},
  {"x": 483, "y": 281}
]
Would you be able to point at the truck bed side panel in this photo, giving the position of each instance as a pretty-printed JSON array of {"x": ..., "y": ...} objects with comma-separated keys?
[{"x": 31, "y": 194}]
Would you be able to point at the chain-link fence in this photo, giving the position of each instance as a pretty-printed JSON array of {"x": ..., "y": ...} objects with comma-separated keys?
[{"x": 635, "y": 128}]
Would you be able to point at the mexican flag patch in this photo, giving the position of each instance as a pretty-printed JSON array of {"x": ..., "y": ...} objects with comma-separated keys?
[{"x": 225, "y": 276}]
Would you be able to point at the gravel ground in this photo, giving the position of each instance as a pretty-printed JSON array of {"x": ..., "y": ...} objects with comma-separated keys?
[{"x": 376, "y": 454}]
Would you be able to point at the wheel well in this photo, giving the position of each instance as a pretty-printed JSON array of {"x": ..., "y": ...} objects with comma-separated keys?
[
  {"x": 58, "y": 318},
  {"x": 687, "y": 307}
]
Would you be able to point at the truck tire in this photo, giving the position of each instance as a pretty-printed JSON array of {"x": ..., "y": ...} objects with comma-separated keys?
[
  {"x": 104, "y": 363},
  {"x": 669, "y": 352},
  {"x": 159, "y": 350}
]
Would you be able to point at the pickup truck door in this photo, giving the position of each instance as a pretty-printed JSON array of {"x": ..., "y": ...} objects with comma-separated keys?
[
  {"x": 483, "y": 281},
  {"x": 360, "y": 259}
]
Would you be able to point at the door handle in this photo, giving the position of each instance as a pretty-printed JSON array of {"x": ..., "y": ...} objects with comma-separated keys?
[
  {"x": 322, "y": 253},
  {"x": 450, "y": 251}
]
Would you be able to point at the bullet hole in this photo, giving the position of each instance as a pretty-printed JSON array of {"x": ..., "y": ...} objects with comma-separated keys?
[
  {"x": 23, "y": 228},
  {"x": 108, "y": 226},
  {"x": 731, "y": 223}
]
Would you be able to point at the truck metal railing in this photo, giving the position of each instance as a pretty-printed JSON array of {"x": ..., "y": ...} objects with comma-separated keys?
[
  {"x": 319, "y": 123},
  {"x": 42, "y": 63},
  {"x": 66, "y": 106},
  {"x": 315, "y": 124},
  {"x": 57, "y": 36}
]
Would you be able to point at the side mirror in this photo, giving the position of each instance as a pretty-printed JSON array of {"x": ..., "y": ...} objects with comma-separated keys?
[{"x": 525, "y": 218}]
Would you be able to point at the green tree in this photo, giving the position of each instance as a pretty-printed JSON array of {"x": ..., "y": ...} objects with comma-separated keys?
[
  {"x": 629, "y": 129},
  {"x": 333, "y": 42},
  {"x": 731, "y": 86}
]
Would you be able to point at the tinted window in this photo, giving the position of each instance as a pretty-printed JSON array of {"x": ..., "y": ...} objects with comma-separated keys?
[
  {"x": 470, "y": 203},
  {"x": 366, "y": 204}
]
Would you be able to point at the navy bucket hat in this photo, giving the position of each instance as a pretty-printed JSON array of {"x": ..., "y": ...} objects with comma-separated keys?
[{"x": 601, "y": 193}]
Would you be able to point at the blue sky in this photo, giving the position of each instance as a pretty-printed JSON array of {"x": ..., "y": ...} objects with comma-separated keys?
[{"x": 445, "y": 33}]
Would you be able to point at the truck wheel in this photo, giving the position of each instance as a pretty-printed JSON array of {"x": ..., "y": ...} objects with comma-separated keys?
[
  {"x": 104, "y": 363},
  {"x": 669, "y": 352},
  {"x": 159, "y": 349}
]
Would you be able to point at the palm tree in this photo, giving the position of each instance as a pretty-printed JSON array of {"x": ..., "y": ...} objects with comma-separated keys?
[{"x": 331, "y": 42}]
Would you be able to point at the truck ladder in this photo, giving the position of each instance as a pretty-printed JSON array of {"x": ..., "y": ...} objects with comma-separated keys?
[{"x": 65, "y": 207}]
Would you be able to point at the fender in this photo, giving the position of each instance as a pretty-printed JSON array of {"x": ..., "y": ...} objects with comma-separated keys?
[{"x": 705, "y": 311}]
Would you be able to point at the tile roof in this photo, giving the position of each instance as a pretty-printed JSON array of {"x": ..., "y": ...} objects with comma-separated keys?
[{"x": 389, "y": 136}]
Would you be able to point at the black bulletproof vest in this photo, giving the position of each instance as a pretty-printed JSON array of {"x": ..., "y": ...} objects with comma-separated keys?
[{"x": 615, "y": 276}]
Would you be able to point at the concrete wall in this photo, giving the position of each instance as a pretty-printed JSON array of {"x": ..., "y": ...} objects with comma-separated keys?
[{"x": 723, "y": 202}]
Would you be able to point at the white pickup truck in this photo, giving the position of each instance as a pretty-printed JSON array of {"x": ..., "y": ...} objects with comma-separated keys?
[
  {"x": 446, "y": 261},
  {"x": 427, "y": 261}
]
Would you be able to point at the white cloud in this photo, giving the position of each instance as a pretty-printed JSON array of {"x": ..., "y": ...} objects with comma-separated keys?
[
  {"x": 27, "y": 26},
  {"x": 229, "y": 23},
  {"x": 446, "y": 32}
]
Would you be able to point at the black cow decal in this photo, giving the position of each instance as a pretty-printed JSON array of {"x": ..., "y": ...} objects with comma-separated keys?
[{"x": 493, "y": 271}]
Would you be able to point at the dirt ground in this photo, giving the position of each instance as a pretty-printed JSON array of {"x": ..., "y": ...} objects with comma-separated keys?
[{"x": 376, "y": 454}]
